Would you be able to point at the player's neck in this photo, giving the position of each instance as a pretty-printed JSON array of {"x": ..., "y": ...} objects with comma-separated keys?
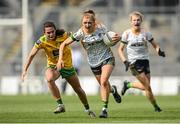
[{"x": 136, "y": 31}]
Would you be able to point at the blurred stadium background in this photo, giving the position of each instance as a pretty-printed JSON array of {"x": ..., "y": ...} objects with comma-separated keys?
[{"x": 21, "y": 25}]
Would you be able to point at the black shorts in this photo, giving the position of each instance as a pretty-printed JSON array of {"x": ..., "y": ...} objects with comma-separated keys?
[
  {"x": 98, "y": 70},
  {"x": 140, "y": 66}
]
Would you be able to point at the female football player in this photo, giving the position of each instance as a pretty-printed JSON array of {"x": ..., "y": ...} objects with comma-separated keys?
[
  {"x": 100, "y": 56},
  {"x": 50, "y": 43},
  {"x": 136, "y": 41}
]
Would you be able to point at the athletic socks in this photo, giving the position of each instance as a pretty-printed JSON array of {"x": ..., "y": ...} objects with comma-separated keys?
[
  {"x": 129, "y": 84},
  {"x": 86, "y": 106},
  {"x": 105, "y": 104},
  {"x": 59, "y": 101}
]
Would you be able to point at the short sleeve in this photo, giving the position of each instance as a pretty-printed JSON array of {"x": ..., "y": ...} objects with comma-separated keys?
[
  {"x": 124, "y": 37},
  {"x": 149, "y": 36},
  {"x": 77, "y": 36},
  {"x": 103, "y": 27},
  {"x": 38, "y": 44}
]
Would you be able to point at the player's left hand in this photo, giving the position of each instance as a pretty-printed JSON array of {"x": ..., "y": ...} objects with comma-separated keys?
[{"x": 161, "y": 53}]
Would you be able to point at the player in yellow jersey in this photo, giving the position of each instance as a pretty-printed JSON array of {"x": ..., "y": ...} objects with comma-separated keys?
[{"x": 50, "y": 43}]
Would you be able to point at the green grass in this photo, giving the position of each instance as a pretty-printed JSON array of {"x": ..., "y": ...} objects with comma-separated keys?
[{"x": 133, "y": 109}]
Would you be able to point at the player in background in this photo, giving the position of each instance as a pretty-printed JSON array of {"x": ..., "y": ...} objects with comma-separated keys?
[
  {"x": 100, "y": 57},
  {"x": 136, "y": 40},
  {"x": 50, "y": 42}
]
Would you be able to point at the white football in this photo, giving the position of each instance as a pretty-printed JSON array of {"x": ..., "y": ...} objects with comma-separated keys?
[{"x": 107, "y": 38}]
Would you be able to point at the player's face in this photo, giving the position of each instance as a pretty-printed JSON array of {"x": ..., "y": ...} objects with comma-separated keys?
[
  {"x": 88, "y": 23},
  {"x": 136, "y": 21},
  {"x": 50, "y": 33}
]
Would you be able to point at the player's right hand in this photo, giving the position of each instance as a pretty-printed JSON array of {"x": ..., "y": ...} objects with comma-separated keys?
[
  {"x": 60, "y": 65},
  {"x": 126, "y": 63},
  {"x": 116, "y": 38}
]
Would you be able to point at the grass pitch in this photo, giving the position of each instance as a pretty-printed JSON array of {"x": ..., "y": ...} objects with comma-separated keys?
[{"x": 133, "y": 109}]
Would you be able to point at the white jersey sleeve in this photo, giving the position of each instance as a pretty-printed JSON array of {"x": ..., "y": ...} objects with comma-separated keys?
[
  {"x": 124, "y": 37},
  {"x": 149, "y": 36},
  {"x": 103, "y": 27},
  {"x": 78, "y": 36}
]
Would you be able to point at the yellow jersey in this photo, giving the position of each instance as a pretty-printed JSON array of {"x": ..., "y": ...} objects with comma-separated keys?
[{"x": 51, "y": 49}]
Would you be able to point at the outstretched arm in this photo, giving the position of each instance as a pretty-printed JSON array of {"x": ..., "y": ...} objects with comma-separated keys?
[
  {"x": 157, "y": 48},
  {"x": 29, "y": 60},
  {"x": 60, "y": 63}
]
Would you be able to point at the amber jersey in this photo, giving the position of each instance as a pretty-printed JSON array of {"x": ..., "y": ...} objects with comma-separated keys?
[{"x": 51, "y": 48}]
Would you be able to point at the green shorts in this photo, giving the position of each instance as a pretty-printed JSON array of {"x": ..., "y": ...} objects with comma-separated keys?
[{"x": 65, "y": 73}]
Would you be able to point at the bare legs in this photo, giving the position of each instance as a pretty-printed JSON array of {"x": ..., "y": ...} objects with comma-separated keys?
[
  {"x": 102, "y": 79},
  {"x": 144, "y": 84},
  {"x": 51, "y": 76},
  {"x": 74, "y": 82}
]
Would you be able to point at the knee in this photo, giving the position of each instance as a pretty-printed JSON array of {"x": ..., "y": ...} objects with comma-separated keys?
[
  {"x": 148, "y": 88},
  {"x": 104, "y": 84},
  {"x": 50, "y": 80},
  {"x": 51, "y": 76}
]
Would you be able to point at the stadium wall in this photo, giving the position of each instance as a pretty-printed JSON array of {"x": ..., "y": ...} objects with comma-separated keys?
[{"x": 12, "y": 85}]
